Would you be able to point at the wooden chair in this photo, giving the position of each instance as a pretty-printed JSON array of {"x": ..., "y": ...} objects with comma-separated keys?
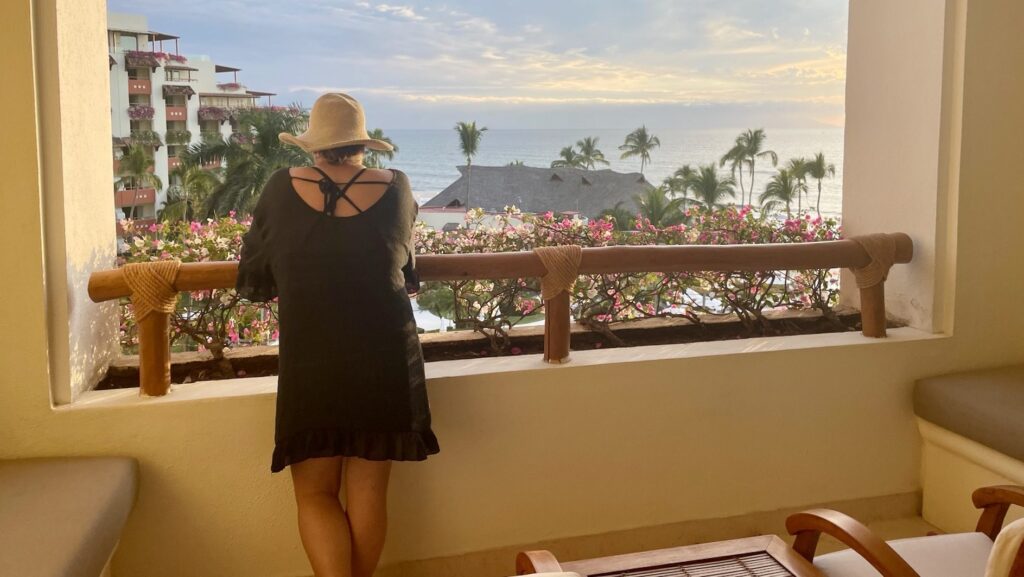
[{"x": 991, "y": 551}]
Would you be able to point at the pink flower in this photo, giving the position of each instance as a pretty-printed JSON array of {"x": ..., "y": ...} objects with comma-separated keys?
[
  {"x": 516, "y": 351},
  {"x": 153, "y": 228}
]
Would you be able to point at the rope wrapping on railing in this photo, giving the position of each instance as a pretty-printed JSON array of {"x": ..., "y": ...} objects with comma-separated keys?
[
  {"x": 882, "y": 250},
  {"x": 152, "y": 286},
  {"x": 562, "y": 264}
]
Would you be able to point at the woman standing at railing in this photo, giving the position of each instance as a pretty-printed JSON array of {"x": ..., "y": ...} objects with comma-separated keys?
[{"x": 334, "y": 243}]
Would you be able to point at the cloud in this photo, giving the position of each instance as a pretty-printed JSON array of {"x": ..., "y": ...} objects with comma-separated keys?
[{"x": 528, "y": 53}]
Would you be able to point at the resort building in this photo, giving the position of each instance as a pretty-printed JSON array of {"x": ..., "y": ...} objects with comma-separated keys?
[
  {"x": 163, "y": 101},
  {"x": 533, "y": 190},
  {"x": 619, "y": 450}
]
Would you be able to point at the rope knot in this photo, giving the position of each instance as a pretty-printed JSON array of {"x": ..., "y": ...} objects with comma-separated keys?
[
  {"x": 882, "y": 250},
  {"x": 152, "y": 286},
  {"x": 562, "y": 264}
]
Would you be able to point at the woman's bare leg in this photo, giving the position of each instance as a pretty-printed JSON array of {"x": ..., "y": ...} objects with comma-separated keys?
[
  {"x": 366, "y": 492},
  {"x": 323, "y": 525}
]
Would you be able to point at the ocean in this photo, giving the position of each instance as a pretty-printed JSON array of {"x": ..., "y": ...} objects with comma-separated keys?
[{"x": 430, "y": 157}]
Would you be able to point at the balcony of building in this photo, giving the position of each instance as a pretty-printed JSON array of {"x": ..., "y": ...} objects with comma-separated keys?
[
  {"x": 616, "y": 451},
  {"x": 176, "y": 113},
  {"x": 140, "y": 86},
  {"x": 134, "y": 197}
]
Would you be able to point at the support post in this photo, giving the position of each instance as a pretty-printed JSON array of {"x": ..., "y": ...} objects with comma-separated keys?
[
  {"x": 556, "y": 329},
  {"x": 872, "y": 311},
  {"x": 155, "y": 354}
]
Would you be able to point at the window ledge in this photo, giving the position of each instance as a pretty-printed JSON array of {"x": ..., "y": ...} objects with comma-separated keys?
[{"x": 267, "y": 386}]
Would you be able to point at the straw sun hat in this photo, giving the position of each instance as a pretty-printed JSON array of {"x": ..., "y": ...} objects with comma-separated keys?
[{"x": 336, "y": 120}]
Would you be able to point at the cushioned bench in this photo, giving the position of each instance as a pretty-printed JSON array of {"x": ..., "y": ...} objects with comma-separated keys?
[
  {"x": 972, "y": 424},
  {"x": 63, "y": 517},
  {"x": 984, "y": 406}
]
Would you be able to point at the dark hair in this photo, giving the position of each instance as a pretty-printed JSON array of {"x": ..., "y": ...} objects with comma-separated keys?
[{"x": 341, "y": 154}]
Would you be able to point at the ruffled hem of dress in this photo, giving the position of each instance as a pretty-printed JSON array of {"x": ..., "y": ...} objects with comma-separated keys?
[
  {"x": 369, "y": 445},
  {"x": 254, "y": 287}
]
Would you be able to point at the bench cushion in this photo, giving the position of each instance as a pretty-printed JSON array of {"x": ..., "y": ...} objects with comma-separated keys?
[
  {"x": 984, "y": 406},
  {"x": 63, "y": 517},
  {"x": 958, "y": 555}
]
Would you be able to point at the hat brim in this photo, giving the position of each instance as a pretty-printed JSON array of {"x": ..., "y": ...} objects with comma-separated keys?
[{"x": 308, "y": 146}]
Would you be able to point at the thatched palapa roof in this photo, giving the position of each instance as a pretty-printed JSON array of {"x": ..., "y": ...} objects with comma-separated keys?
[{"x": 541, "y": 190}]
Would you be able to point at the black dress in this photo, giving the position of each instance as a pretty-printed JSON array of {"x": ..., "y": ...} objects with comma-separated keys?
[{"x": 351, "y": 379}]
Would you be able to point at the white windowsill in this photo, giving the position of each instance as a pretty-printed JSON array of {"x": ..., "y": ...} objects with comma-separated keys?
[{"x": 266, "y": 386}]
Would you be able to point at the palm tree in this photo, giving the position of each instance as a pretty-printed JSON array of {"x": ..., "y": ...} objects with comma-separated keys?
[
  {"x": 658, "y": 209},
  {"x": 736, "y": 158},
  {"x": 375, "y": 158},
  {"x": 797, "y": 167},
  {"x": 250, "y": 160},
  {"x": 744, "y": 154},
  {"x": 782, "y": 189},
  {"x": 622, "y": 218},
  {"x": 676, "y": 184},
  {"x": 136, "y": 169},
  {"x": 469, "y": 142},
  {"x": 640, "y": 143},
  {"x": 818, "y": 169},
  {"x": 590, "y": 154},
  {"x": 569, "y": 158},
  {"x": 196, "y": 186},
  {"x": 709, "y": 189}
]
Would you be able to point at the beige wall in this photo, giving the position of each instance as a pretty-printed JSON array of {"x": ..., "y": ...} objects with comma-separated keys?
[
  {"x": 77, "y": 200},
  {"x": 540, "y": 454}
]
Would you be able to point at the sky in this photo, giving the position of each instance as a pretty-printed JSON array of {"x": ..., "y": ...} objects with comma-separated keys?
[{"x": 530, "y": 63}]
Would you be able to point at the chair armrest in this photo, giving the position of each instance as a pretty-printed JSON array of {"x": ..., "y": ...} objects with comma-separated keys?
[
  {"x": 809, "y": 525},
  {"x": 994, "y": 503},
  {"x": 530, "y": 562}
]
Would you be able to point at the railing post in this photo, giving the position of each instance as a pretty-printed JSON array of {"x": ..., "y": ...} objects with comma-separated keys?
[
  {"x": 556, "y": 328},
  {"x": 154, "y": 297},
  {"x": 872, "y": 311},
  {"x": 155, "y": 354}
]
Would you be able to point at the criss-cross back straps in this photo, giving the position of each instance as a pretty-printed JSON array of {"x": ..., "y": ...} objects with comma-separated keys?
[{"x": 332, "y": 192}]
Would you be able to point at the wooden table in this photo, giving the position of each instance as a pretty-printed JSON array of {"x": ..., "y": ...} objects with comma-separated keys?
[{"x": 764, "y": 556}]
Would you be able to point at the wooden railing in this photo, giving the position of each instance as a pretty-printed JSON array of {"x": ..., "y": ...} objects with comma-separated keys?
[{"x": 154, "y": 344}]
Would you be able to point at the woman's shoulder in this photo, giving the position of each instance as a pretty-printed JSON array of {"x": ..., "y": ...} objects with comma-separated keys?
[
  {"x": 275, "y": 186},
  {"x": 397, "y": 178}
]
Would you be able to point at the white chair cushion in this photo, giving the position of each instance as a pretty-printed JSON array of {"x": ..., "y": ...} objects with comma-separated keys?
[
  {"x": 554, "y": 575},
  {"x": 1006, "y": 549},
  {"x": 957, "y": 555}
]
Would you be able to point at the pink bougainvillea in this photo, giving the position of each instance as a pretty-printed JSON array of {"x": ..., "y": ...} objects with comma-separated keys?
[{"x": 217, "y": 319}]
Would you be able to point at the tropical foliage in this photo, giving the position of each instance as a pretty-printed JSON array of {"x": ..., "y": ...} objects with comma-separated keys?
[
  {"x": 569, "y": 158},
  {"x": 819, "y": 169},
  {"x": 249, "y": 160},
  {"x": 709, "y": 189},
  {"x": 743, "y": 156},
  {"x": 376, "y": 158},
  {"x": 210, "y": 320},
  {"x": 639, "y": 144},
  {"x": 656, "y": 208},
  {"x": 135, "y": 169},
  {"x": 783, "y": 189},
  {"x": 217, "y": 320},
  {"x": 590, "y": 154},
  {"x": 469, "y": 143},
  {"x": 186, "y": 199},
  {"x": 469, "y": 139}
]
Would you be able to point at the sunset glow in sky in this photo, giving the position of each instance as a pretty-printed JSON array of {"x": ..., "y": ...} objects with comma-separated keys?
[{"x": 533, "y": 64}]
